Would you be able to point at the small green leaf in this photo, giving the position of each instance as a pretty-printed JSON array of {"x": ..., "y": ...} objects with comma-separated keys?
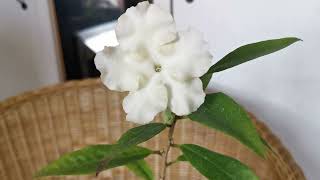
[
  {"x": 131, "y": 138},
  {"x": 222, "y": 113},
  {"x": 86, "y": 160},
  {"x": 168, "y": 116},
  {"x": 251, "y": 51},
  {"x": 141, "y": 169},
  {"x": 206, "y": 79},
  {"x": 140, "y": 134},
  {"x": 216, "y": 166}
]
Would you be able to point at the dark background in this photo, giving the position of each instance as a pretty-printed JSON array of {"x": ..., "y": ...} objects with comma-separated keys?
[{"x": 75, "y": 15}]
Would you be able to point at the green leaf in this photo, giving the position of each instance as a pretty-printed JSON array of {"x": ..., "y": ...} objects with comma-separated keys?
[
  {"x": 131, "y": 138},
  {"x": 86, "y": 160},
  {"x": 140, "y": 134},
  {"x": 168, "y": 116},
  {"x": 206, "y": 79},
  {"x": 216, "y": 166},
  {"x": 181, "y": 158},
  {"x": 251, "y": 51},
  {"x": 222, "y": 113},
  {"x": 141, "y": 169}
]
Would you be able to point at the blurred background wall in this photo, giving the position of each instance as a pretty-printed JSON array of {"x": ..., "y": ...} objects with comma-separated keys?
[
  {"x": 282, "y": 89},
  {"x": 28, "y": 57}
]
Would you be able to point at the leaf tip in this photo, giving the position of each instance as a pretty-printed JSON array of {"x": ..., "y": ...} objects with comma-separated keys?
[
  {"x": 262, "y": 151},
  {"x": 295, "y": 39}
]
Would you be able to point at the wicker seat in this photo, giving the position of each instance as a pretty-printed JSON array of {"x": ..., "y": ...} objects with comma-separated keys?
[{"x": 39, "y": 126}]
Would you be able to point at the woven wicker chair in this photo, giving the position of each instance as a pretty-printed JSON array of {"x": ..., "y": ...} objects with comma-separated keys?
[{"x": 39, "y": 126}]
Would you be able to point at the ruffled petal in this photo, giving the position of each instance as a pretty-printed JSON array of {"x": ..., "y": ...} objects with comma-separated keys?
[
  {"x": 185, "y": 97},
  {"x": 119, "y": 72},
  {"x": 143, "y": 105},
  {"x": 145, "y": 25},
  {"x": 188, "y": 57}
]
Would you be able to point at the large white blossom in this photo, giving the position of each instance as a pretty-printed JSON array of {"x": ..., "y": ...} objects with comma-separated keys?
[{"x": 159, "y": 66}]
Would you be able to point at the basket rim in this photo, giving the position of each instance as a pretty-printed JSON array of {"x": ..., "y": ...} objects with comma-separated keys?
[
  {"x": 10, "y": 102},
  {"x": 13, "y": 101}
]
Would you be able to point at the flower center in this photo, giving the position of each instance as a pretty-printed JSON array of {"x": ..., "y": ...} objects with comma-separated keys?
[
  {"x": 157, "y": 68},
  {"x": 142, "y": 54}
]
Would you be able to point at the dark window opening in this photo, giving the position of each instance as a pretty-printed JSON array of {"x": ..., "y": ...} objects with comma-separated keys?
[{"x": 79, "y": 23}]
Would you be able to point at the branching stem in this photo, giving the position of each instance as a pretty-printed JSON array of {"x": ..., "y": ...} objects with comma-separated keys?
[
  {"x": 170, "y": 144},
  {"x": 172, "y": 162}
]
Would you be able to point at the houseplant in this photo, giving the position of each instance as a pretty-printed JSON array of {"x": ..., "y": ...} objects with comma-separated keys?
[{"x": 166, "y": 71}]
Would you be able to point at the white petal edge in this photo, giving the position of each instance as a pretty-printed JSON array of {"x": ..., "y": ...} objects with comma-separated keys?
[
  {"x": 185, "y": 97},
  {"x": 145, "y": 25},
  {"x": 119, "y": 72},
  {"x": 190, "y": 57},
  {"x": 143, "y": 105}
]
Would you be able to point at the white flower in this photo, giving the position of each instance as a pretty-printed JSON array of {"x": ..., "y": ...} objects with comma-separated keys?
[{"x": 158, "y": 66}]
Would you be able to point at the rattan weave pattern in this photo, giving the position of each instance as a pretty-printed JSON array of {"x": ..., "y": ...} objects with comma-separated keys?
[{"x": 39, "y": 126}]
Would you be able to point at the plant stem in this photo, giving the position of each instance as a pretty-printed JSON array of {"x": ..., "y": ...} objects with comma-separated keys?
[
  {"x": 172, "y": 162},
  {"x": 170, "y": 144}
]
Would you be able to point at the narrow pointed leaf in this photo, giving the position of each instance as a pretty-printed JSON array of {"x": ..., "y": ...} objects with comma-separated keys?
[
  {"x": 140, "y": 134},
  {"x": 131, "y": 138},
  {"x": 86, "y": 160},
  {"x": 216, "y": 166},
  {"x": 220, "y": 112},
  {"x": 251, "y": 51},
  {"x": 141, "y": 169}
]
